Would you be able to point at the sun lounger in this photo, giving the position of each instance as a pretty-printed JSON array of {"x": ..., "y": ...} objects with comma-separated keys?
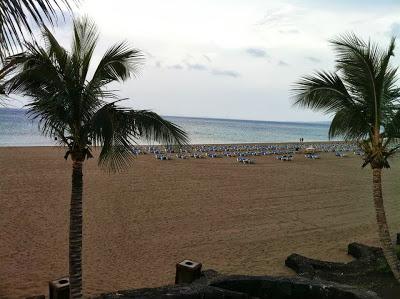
[
  {"x": 197, "y": 156},
  {"x": 285, "y": 158},
  {"x": 312, "y": 156},
  {"x": 245, "y": 160},
  {"x": 162, "y": 157}
]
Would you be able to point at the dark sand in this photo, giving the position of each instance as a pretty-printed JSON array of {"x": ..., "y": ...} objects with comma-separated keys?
[{"x": 233, "y": 218}]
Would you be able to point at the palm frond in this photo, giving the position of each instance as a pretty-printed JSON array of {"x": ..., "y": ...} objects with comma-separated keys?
[
  {"x": 117, "y": 64},
  {"x": 53, "y": 48},
  {"x": 37, "y": 74},
  {"x": 19, "y": 17},
  {"x": 116, "y": 128},
  {"x": 349, "y": 124},
  {"x": 151, "y": 126},
  {"x": 392, "y": 128},
  {"x": 83, "y": 45},
  {"x": 323, "y": 91},
  {"x": 9, "y": 66},
  {"x": 360, "y": 63}
]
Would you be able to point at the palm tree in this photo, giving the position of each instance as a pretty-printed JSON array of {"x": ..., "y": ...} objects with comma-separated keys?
[
  {"x": 364, "y": 99},
  {"x": 73, "y": 110}
]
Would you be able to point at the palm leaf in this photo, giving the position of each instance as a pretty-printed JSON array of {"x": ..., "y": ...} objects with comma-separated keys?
[
  {"x": 360, "y": 64},
  {"x": 117, "y": 64},
  {"x": 18, "y": 18},
  {"x": 323, "y": 91},
  {"x": 8, "y": 68},
  {"x": 349, "y": 124},
  {"x": 117, "y": 128}
]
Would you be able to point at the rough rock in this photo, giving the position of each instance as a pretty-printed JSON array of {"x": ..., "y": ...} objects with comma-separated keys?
[
  {"x": 290, "y": 287},
  {"x": 215, "y": 286},
  {"x": 365, "y": 259}
]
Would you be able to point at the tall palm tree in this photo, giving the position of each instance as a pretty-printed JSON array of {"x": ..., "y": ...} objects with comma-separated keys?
[
  {"x": 365, "y": 101},
  {"x": 73, "y": 109}
]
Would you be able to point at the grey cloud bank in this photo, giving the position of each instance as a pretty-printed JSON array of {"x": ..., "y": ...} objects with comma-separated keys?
[
  {"x": 228, "y": 73},
  {"x": 196, "y": 66},
  {"x": 313, "y": 59},
  {"x": 256, "y": 52},
  {"x": 282, "y": 63},
  {"x": 176, "y": 67}
]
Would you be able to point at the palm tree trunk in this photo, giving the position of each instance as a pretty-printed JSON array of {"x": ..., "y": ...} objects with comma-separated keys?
[
  {"x": 383, "y": 229},
  {"x": 75, "y": 232}
]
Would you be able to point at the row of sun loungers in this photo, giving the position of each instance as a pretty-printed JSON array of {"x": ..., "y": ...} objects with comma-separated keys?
[
  {"x": 321, "y": 147},
  {"x": 162, "y": 157},
  {"x": 243, "y": 158},
  {"x": 284, "y": 152},
  {"x": 312, "y": 156},
  {"x": 285, "y": 158}
]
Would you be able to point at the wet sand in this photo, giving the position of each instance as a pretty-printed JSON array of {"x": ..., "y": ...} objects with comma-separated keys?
[{"x": 242, "y": 219}]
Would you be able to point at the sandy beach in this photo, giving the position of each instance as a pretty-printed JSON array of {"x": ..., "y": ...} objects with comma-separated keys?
[{"x": 242, "y": 219}]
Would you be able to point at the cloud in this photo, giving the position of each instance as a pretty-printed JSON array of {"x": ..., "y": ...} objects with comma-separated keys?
[
  {"x": 202, "y": 67},
  {"x": 176, "y": 67},
  {"x": 207, "y": 58},
  {"x": 256, "y": 52},
  {"x": 394, "y": 29},
  {"x": 283, "y": 17},
  {"x": 282, "y": 63},
  {"x": 196, "y": 66},
  {"x": 275, "y": 17},
  {"x": 227, "y": 73},
  {"x": 313, "y": 59}
]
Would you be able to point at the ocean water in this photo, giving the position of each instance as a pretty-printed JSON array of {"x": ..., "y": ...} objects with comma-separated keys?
[{"x": 17, "y": 130}]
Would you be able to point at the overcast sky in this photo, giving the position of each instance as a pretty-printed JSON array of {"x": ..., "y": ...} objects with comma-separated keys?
[{"x": 232, "y": 58}]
